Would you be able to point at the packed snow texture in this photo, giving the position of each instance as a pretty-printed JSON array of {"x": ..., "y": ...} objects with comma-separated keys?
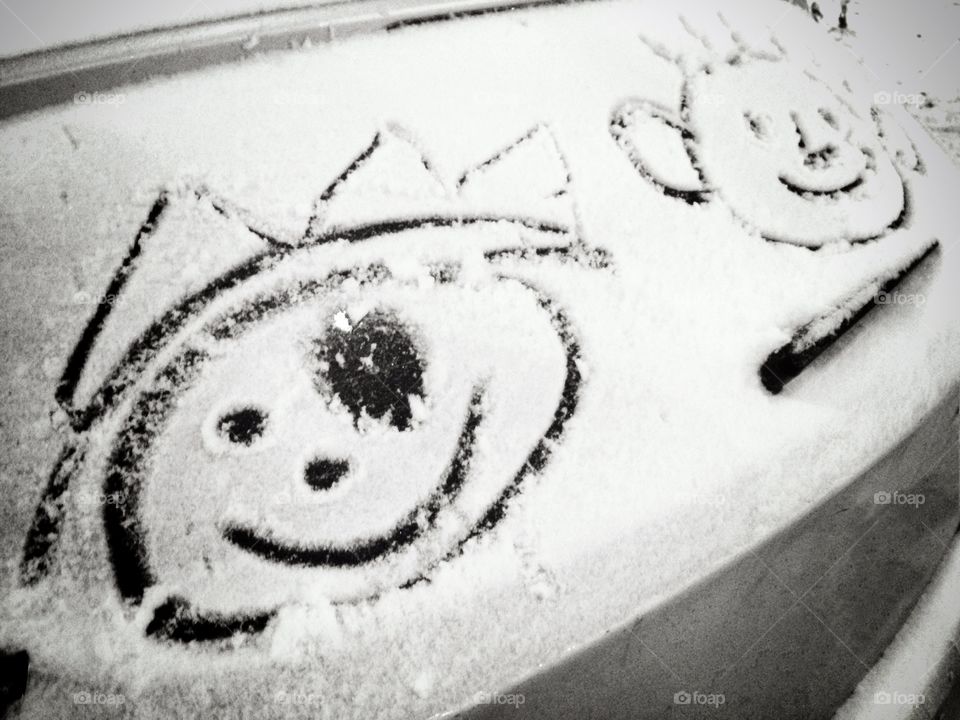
[{"x": 670, "y": 330}]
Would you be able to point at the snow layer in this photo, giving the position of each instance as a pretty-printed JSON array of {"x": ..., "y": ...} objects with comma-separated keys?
[{"x": 670, "y": 335}]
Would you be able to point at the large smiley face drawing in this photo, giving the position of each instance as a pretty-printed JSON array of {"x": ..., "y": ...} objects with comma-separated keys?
[
  {"x": 335, "y": 416},
  {"x": 793, "y": 159}
]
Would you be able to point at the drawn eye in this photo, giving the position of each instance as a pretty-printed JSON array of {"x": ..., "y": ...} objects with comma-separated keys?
[
  {"x": 759, "y": 125},
  {"x": 242, "y": 426},
  {"x": 373, "y": 368}
]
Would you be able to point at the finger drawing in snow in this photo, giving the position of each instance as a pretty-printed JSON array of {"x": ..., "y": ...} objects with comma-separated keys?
[
  {"x": 342, "y": 413},
  {"x": 795, "y": 159}
]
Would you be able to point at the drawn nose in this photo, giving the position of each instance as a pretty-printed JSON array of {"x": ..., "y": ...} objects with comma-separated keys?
[
  {"x": 324, "y": 473},
  {"x": 816, "y": 134},
  {"x": 822, "y": 158}
]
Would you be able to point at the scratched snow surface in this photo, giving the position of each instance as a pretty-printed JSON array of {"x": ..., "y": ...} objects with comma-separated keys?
[{"x": 410, "y": 351}]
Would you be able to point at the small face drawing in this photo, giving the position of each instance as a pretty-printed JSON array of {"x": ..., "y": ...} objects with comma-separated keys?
[{"x": 792, "y": 158}]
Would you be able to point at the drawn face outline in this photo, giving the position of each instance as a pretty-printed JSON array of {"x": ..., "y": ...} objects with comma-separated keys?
[
  {"x": 821, "y": 160},
  {"x": 126, "y": 480},
  {"x": 816, "y": 159},
  {"x": 176, "y": 619}
]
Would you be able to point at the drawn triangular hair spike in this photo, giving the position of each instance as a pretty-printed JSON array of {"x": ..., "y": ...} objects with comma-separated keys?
[
  {"x": 687, "y": 63},
  {"x": 89, "y": 383},
  {"x": 65, "y": 393},
  {"x": 392, "y": 164},
  {"x": 532, "y": 167},
  {"x": 691, "y": 31},
  {"x": 688, "y": 47},
  {"x": 273, "y": 236},
  {"x": 105, "y": 328},
  {"x": 750, "y": 48},
  {"x": 660, "y": 50},
  {"x": 714, "y": 43}
]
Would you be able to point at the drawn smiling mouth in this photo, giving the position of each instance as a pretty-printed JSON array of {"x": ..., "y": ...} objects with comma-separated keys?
[
  {"x": 800, "y": 189},
  {"x": 803, "y": 191},
  {"x": 263, "y": 544}
]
